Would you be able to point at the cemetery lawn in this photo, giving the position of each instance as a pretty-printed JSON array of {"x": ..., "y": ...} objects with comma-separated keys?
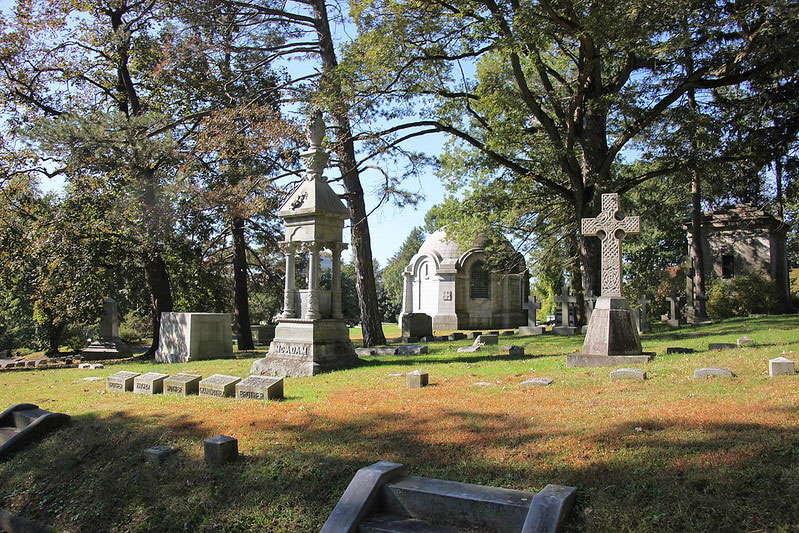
[{"x": 667, "y": 454}]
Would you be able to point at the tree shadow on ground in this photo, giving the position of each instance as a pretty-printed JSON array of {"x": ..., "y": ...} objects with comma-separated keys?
[{"x": 663, "y": 474}]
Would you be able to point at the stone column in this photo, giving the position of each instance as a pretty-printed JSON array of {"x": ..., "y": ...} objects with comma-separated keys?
[
  {"x": 407, "y": 293},
  {"x": 312, "y": 313},
  {"x": 289, "y": 290},
  {"x": 335, "y": 281}
]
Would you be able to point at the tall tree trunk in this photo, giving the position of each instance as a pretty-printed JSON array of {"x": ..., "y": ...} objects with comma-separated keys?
[
  {"x": 54, "y": 339},
  {"x": 697, "y": 250},
  {"x": 360, "y": 239},
  {"x": 160, "y": 294},
  {"x": 778, "y": 176},
  {"x": 240, "y": 294}
]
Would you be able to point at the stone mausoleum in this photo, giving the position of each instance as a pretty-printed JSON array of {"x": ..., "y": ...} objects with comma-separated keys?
[
  {"x": 459, "y": 289},
  {"x": 741, "y": 238}
]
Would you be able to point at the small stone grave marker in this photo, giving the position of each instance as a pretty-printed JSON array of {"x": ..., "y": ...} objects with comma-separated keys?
[
  {"x": 483, "y": 384},
  {"x": 712, "y": 372},
  {"x": 487, "y": 339},
  {"x": 514, "y": 351},
  {"x": 149, "y": 383},
  {"x": 412, "y": 349},
  {"x": 536, "y": 382},
  {"x": 182, "y": 384},
  {"x": 156, "y": 454},
  {"x": 220, "y": 449},
  {"x": 385, "y": 350},
  {"x": 628, "y": 373},
  {"x": 781, "y": 366},
  {"x": 92, "y": 378},
  {"x": 260, "y": 388},
  {"x": 721, "y": 346},
  {"x": 365, "y": 351},
  {"x": 122, "y": 381},
  {"x": 456, "y": 336},
  {"x": 474, "y": 334},
  {"x": 744, "y": 341},
  {"x": 416, "y": 379},
  {"x": 678, "y": 349},
  {"x": 219, "y": 385}
]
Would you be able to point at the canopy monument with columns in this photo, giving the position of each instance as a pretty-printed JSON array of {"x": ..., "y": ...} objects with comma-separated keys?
[{"x": 311, "y": 335}]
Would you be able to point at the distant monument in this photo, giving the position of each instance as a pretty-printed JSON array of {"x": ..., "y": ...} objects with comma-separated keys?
[
  {"x": 612, "y": 337},
  {"x": 460, "y": 289},
  {"x": 311, "y": 335},
  {"x": 187, "y": 337},
  {"x": 108, "y": 345}
]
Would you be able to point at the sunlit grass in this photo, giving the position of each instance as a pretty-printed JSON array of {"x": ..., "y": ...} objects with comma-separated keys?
[{"x": 668, "y": 454}]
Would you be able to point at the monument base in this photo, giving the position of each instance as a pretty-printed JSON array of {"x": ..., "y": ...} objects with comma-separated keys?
[
  {"x": 612, "y": 330},
  {"x": 580, "y": 359},
  {"x": 306, "y": 348},
  {"x": 106, "y": 349},
  {"x": 531, "y": 330},
  {"x": 564, "y": 330}
]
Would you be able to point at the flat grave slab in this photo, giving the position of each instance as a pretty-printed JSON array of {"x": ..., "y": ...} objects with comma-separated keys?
[
  {"x": 746, "y": 341},
  {"x": 149, "y": 383},
  {"x": 627, "y": 374},
  {"x": 712, "y": 372},
  {"x": 412, "y": 349},
  {"x": 470, "y": 349},
  {"x": 536, "y": 382},
  {"x": 678, "y": 349},
  {"x": 457, "y": 336},
  {"x": 721, "y": 346},
  {"x": 385, "y": 350},
  {"x": 365, "y": 351},
  {"x": 182, "y": 384},
  {"x": 514, "y": 351},
  {"x": 583, "y": 360},
  {"x": 122, "y": 381},
  {"x": 260, "y": 388},
  {"x": 781, "y": 366},
  {"x": 219, "y": 385}
]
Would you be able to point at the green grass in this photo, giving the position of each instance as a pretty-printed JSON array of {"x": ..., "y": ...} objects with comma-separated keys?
[{"x": 668, "y": 454}]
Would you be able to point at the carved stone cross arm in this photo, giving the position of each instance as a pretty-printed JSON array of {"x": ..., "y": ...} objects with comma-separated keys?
[{"x": 611, "y": 227}]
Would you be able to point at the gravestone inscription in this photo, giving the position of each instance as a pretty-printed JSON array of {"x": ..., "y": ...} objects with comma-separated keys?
[
  {"x": 149, "y": 383},
  {"x": 260, "y": 388},
  {"x": 122, "y": 381},
  {"x": 182, "y": 384},
  {"x": 219, "y": 385}
]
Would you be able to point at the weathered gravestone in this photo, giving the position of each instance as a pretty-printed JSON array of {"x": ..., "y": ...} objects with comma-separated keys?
[
  {"x": 567, "y": 323},
  {"x": 486, "y": 339},
  {"x": 536, "y": 382},
  {"x": 532, "y": 327},
  {"x": 628, "y": 374},
  {"x": 311, "y": 334},
  {"x": 612, "y": 338},
  {"x": 260, "y": 388},
  {"x": 416, "y": 326},
  {"x": 643, "y": 325},
  {"x": 149, "y": 383},
  {"x": 712, "y": 372},
  {"x": 182, "y": 384},
  {"x": 219, "y": 385},
  {"x": 675, "y": 318},
  {"x": 220, "y": 449},
  {"x": 781, "y": 366},
  {"x": 109, "y": 345},
  {"x": 122, "y": 381},
  {"x": 456, "y": 336},
  {"x": 590, "y": 303},
  {"x": 194, "y": 336},
  {"x": 416, "y": 379},
  {"x": 157, "y": 454},
  {"x": 721, "y": 346}
]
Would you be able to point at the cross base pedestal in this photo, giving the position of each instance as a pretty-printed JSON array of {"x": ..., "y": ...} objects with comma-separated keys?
[{"x": 612, "y": 336}]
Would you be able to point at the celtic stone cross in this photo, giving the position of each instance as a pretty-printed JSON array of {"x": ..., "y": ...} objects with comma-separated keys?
[{"x": 611, "y": 227}]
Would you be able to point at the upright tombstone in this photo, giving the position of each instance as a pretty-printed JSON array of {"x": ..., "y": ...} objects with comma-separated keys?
[
  {"x": 187, "y": 337},
  {"x": 643, "y": 326},
  {"x": 109, "y": 345},
  {"x": 532, "y": 327},
  {"x": 311, "y": 335},
  {"x": 675, "y": 319},
  {"x": 416, "y": 326},
  {"x": 566, "y": 326},
  {"x": 612, "y": 337}
]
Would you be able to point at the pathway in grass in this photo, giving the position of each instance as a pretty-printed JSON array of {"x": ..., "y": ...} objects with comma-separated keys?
[{"x": 670, "y": 453}]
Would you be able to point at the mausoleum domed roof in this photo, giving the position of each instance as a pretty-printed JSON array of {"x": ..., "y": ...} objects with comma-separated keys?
[{"x": 448, "y": 252}]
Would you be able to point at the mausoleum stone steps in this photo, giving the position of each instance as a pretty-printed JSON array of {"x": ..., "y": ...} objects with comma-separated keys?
[
  {"x": 23, "y": 423},
  {"x": 386, "y": 523},
  {"x": 381, "y": 499}
]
